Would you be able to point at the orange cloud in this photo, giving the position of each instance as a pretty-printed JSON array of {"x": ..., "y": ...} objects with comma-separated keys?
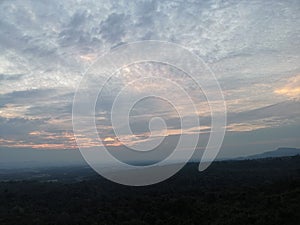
[
  {"x": 244, "y": 127},
  {"x": 14, "y": 111},
  {"x": 28, "y": 144},
  {"x": 108, "y": 139},
  {"x": 113, "y": 142},
  {"x": 291, "y": 89}
]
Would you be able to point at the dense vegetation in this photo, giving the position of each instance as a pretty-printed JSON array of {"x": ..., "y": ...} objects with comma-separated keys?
[{"x": 231, "y": 192}]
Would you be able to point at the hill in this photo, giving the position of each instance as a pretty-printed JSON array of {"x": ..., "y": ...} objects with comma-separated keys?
[{"x": 280, "y": 152}]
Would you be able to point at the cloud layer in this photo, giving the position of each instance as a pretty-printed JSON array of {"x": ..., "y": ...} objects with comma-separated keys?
[{"x": 253, "y": 48}]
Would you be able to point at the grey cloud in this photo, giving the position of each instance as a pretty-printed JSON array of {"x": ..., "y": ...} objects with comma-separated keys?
[
  {"x": 21, "y": 97},
  {"x": 46, "y": 104},
  {"x": 78, "y": 19},
  {"x": 288, "y": 110},
  {"x": 18, "y": 127},
  {"x": 78, "y": 32},
  {"x": 223, "y": 31},
  {"x": 246, "y": 43},
  {"x": 146, "y": 8},
  {"x": 50, "y": 110},
  {"x": 8, "y": 77},
  {"x": 114, "y": 27},
  {"x": 10, "y": 36}
]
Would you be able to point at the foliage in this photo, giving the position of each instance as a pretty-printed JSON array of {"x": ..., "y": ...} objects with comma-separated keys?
[{"x": 261, "y": 192}]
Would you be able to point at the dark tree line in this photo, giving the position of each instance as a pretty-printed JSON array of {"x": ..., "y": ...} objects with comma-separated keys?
[{"x": 261, "y": 192}]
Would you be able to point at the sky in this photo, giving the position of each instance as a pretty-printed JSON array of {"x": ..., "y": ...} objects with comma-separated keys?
[{"x": 253, "y": 48}]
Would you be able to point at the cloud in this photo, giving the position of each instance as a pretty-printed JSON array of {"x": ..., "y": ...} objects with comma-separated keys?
[
  {"x": 271, "y": 116},
  {"x": 114, "y": 27},
  {"x": 18, "y": 127},
  {"x": 291, "y": 88},
  {"x": 46, "y": 46}
]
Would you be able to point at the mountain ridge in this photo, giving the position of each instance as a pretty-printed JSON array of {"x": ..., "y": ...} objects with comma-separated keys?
[{"x": 279, "y": 152}]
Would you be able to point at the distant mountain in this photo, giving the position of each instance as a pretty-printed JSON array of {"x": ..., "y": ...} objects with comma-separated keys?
[{"x": 280, "y": 152}]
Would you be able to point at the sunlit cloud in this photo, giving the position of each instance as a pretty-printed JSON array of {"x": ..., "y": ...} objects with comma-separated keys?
[
  {"x": 88, "y": 57},
  {"x": 243, "y": 127},
  {"x": 14, "y": 111},
  {"x": 252, "y": 125},
  {"x": 291, "y": 88},
  {"x": 112, "y": 142},
  {"x": 27, "y": 144}
]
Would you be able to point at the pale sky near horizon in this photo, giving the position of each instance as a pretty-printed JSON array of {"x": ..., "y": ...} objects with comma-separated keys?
[{"x": 253, "y": 48}]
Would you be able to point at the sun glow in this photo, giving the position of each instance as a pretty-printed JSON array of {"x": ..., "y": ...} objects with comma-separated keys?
[{"x": 291, "y": 89}]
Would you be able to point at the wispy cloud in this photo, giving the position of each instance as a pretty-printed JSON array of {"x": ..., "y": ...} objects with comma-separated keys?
[
  {"x": 47, "y": 46},
  {"x": 291, "y": 88}
]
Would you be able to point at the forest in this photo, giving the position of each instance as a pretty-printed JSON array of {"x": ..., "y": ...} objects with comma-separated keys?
[{"x": 261, "y": 191}]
